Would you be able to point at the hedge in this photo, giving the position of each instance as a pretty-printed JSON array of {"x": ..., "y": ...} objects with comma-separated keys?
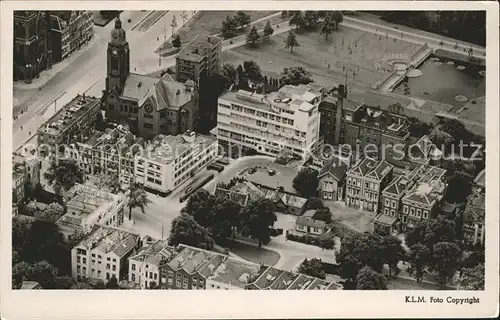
[{"x": 322, "y": 243}]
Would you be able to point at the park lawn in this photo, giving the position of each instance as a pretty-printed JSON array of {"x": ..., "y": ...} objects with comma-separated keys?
[
  {"x": 315, "y": 53},
  {"x": 208, "y": 22},
  {"x": 352, "y": 218}
]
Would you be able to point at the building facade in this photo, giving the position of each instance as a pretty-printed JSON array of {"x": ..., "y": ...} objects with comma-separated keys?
[
  {"x": 474, "y": 228},
  {"x": 168, "y": 161},
  {"x": 32, "y": 46},
  {"x": 144, "y": 266},
  {"x": 331, "y": 184},
  {"x": 25, "y": 176},
  {"x": 287, "y": 120},
  {"x": 109, "y": 153},
  {"x": 365, "y": 182},
  {"x": 200, "y": 55},
  {"x": 70, "y": 30},
  {"x": 73, "y": 123},
  {"x": 103, "y": 254},
  {"x": 87, "y": 206},
  {"x": 148, "y": 106}
]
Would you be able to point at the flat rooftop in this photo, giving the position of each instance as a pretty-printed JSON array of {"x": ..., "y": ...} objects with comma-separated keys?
[
  {"x": 283, "y": 177},
  {"x": 199, "y": 47},
  {"x": 109, "y": 239},
  {"x": 69, "y": 114},
  {"x": 165, "y": 149}
]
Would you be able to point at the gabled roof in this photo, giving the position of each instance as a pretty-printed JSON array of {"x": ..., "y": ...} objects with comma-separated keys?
[
  {"x": 335, "y": 168},
  {"x": 310, "y": 222},
  {"x": 381, "y": 170},
  {"x": 372, "y": 168},
  {"x": 399, "y": 185},
  {"x": 238, "y": 197}
]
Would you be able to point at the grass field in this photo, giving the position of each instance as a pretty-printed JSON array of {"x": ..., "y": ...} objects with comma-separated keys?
[
  {"x": 209, "y": 22},
  {"x": 350, "y": 48}
]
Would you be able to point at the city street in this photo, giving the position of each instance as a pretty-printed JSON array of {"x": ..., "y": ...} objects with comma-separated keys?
[{"x": 90, "y": 67}]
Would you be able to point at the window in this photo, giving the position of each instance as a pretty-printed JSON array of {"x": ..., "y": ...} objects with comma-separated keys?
[
  {"x": 412, "y": 211},
  {"x": 99, "y": 256},
  {"x": 77, "y": 269},
  {"x": 114, "y": 268},
  {"x": 185, "y": 284},
  {"x": 84, "y": 260},
  {"x": 133, "y": 277},
  {"x": 108, "y": 259},
  {"x": 386, "y": 211},
  {"x": 156, "y": 276},
  {"x": 405, "y": 209},
  {"x": 387, "y": 202},
  {"x": 77, "y": 259},
  {"x": 98, "y": 273},
  {"x": 170, "y": 280},
  {"x": 426, "y": 214},
  {"x": 393, "y": 204},
  {"x": 163, "y": 280},
  {"x": 93, "y": 255},
  {"x": 419, "y": 213},
  {"x": 133, "y": 266},
  {"x": 107, "y": 266},
  {"x": 393, "y": 213},
  {"x": 146, "y": 274},
  {"x": 178, "y": 283},
  {"x": 114, "y": 260}
]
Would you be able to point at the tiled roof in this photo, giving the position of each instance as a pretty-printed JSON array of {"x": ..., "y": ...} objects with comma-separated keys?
[
  {"x": 238, "y": 197},
  {"x": 154, "y": 253},
  {"x": 284, "y": 281},
  {"x": 107, "y": 239},
  {"x": 399, "y": 185},
  {"x": 335, "y": 168},
  {"x": 267, "y": 278},
  {"x": 381, "y": 170},
  {"x": 310, "y": 222},
  {"x": 372, "y": 168},
  {"x": 302, "y": 282}
]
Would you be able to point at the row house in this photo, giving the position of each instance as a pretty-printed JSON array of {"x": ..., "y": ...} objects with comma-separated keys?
[
  {"x": 365, "y": 182},
  {"x": 70, "y": 30},
  {"x": 103, "y": 254},
  {"x": 410, "y": 198},
  {"x": 332, "y": 179},
  {"x": 75, "y": 122}
]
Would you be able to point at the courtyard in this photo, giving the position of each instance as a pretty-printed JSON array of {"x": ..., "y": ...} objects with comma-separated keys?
[{"x": 344, "y": 49}]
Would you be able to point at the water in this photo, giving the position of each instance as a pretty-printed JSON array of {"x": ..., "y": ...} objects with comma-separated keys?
[{"x": 443, "y": 82}]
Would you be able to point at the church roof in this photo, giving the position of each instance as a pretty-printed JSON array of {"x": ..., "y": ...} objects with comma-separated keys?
[{"x": 166, "y": 93}]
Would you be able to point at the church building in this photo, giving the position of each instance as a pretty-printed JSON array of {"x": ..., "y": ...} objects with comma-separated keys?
[{"x": 147, "y": 105}]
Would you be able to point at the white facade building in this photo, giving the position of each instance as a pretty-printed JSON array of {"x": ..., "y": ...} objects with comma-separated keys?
[
  {"x": 286, "y": 120},
  {"x": 171, "y": 160}
]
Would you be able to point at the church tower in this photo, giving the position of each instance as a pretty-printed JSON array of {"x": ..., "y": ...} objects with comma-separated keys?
[{"x": 118, "y": 66}]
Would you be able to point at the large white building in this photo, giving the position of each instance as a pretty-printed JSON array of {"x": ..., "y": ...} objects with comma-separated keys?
[
  {"x": 169, "y": 161},
  {"x": 286, "y": 120},
  {"x": 88, "y": 206},
  {"x": 103, "y": 254}
]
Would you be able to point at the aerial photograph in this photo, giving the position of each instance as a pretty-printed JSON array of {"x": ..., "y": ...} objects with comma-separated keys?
[{"x": 252, "y": 150}]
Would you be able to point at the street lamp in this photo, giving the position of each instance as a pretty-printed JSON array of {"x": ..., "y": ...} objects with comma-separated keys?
[{"x": 28, "y": 67}]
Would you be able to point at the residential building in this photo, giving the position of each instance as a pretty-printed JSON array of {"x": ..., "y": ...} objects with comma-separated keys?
[
  {"x": 270, "y": 278},
  {"x": 87, "y": 206},
  {"x": 332, "y": 180},
  {"x": 144, "y": 266},
  {"x": 307, "y": 225},
  {"x": 474, "y": 214},
  {"x": 168, "y": 161},
  {"x": 25, "y": 176},
  {"x": 285, "y": 202},
  {"x": 200, "y": 55},
  {"x": 147, "y": 105},
  {"x": 286, "y": 120},
  {"x": 331, "y": 116},
  {"x": 103, "y": 253},
  {"x": 111, "y": 152},
  {"x": 365, "y": 182},
  {"x": 241, "y": 192},
  {"x": 424, "y": 198},
  {"x": 232, "y": 274},
  {"x": 32, "y": 46},
  {"x": 69, "y": 31},
  {"x": 73, "y": 123}
]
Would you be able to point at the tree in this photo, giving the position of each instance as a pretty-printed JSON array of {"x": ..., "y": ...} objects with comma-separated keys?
[
  {"x": 297, "y": 20},
  {"x": 176, "y": 42},
  {"x": 173, "y": 24},
  {"x": 228, "y": 72},
  {"x": 392, "y": 252},
  {"x": 52, "y": 213},
  {"x": 137, "y": 198},
  {"x": 445, "y": 258},
  {"x": 256, "y": 218},
  {"x": 223, "y": 217},
  {"x": 252, "y": 70},
  {"x": 187, "y": 231},
  {"x": 295, "y": 76},
  {"x": 311, "y": 19},
  {"x": 313, "y": 268},
  {"x": 42, "y": 272},
  {"x": 242, "y": 18},
  {"x": 323, "y": 214},
  {"x": 64, "y": 282},
  {"x": 369, "y": 279},
  {"x": 229, "y": 26},
  {"x": 112, "y": 283},
  {"x": 459, "y": 187},
  {"x": 99, "y": 285},
  {"x": 291, "y": 41},
  {"x": 314, "y": 204},
  {"x": 430, "y": 232},
  {"x": 284, "y": 14},
  {"x": 441, "y": 139},
  {"x": 418, "y": 128},
  {"x": 327, "y": 27},
  {"x": 200, "y": 206},
  {"x": 253, "y": 36},
  {"x": 63, "y": 174},
  {"x": 474, "y": 258},
  {"x": 306, "y": 182},
  {"x": 419, "y": 258},
  {"x": 395, "y": 108},
  {"x": 472, "y": 278},
  {"x": 457, "y": 130},
  {"x": 336, "y": 16},
  {"x": 268, "y": 30}
]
